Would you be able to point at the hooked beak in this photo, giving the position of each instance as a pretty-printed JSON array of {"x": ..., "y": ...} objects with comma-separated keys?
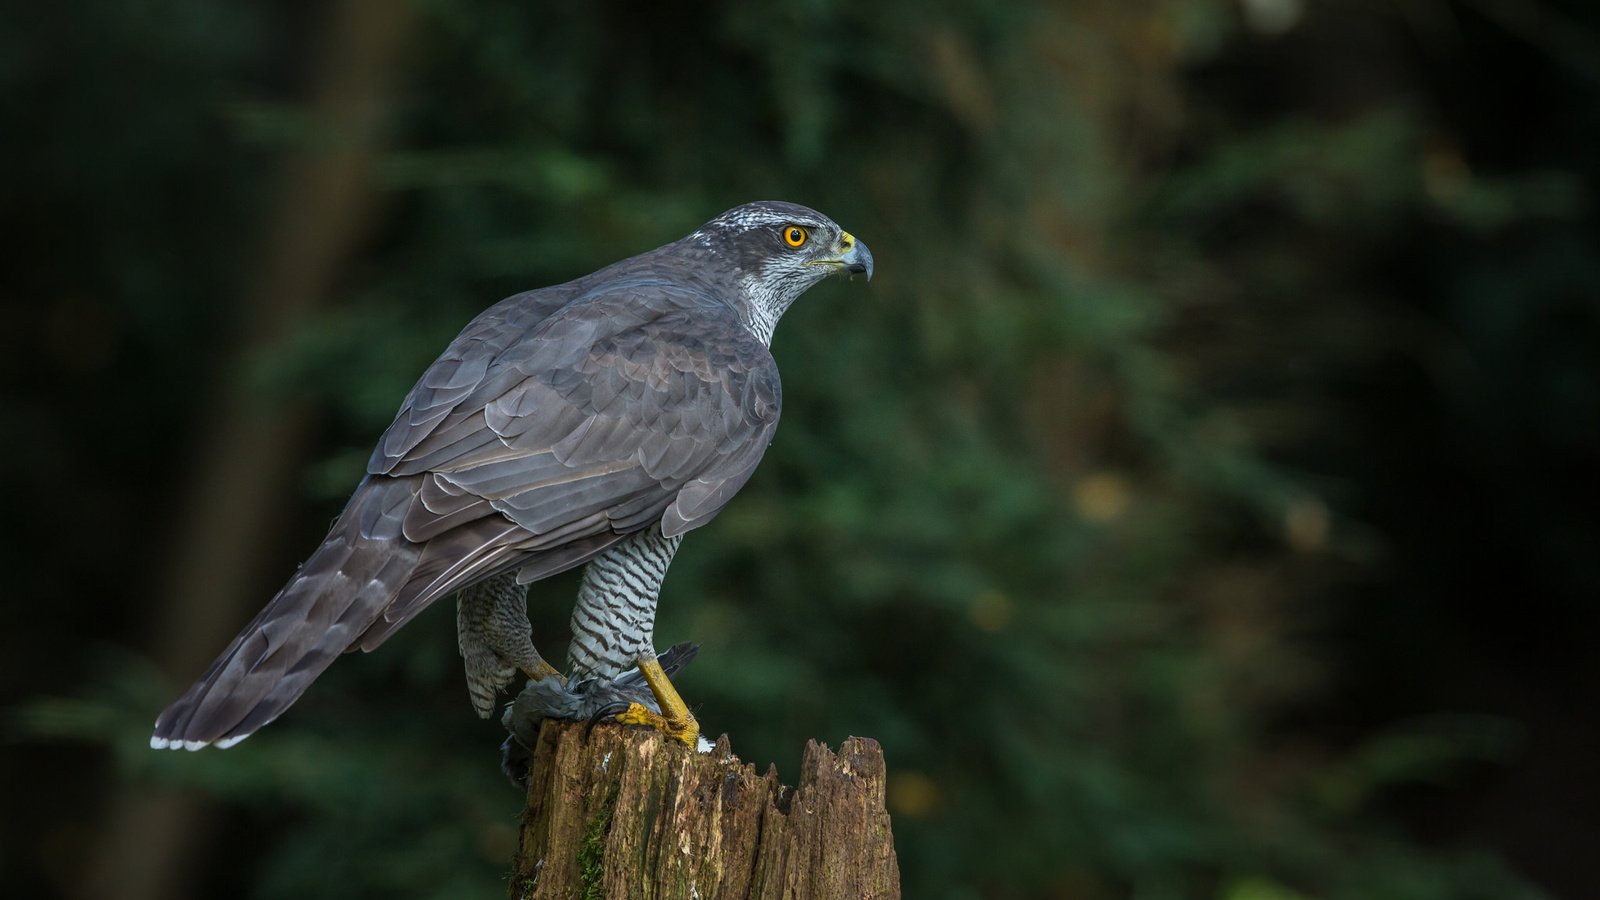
[{"x": 856, "y": 259}]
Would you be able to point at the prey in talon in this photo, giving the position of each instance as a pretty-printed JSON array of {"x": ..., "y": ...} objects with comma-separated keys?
[
  {"x": 593, "y": 422},
  {"x": 595, "y": 701}
]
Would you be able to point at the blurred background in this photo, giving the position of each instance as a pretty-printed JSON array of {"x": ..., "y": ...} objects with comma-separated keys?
[{"x": 1191, "y": 506}]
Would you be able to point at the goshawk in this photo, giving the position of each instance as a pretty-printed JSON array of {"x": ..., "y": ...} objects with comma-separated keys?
[{"x": 594, "y": 422}]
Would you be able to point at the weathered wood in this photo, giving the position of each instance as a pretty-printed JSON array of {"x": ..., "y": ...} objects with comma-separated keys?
[{"x": 624, "y": 812}]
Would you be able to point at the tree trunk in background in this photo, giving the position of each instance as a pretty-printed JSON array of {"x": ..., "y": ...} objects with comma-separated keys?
[
  {"x": 625, "y": 812},
  {"x": 246, "y": 462}
]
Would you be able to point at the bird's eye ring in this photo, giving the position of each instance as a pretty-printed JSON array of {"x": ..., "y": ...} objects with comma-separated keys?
[{"x": 794, "y": 236}]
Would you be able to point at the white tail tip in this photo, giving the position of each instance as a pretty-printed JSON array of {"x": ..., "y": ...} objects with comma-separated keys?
[{"x": 161, "y": 743}]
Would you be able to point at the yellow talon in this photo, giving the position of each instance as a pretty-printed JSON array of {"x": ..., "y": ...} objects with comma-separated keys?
[
  {"x": 639, "y": 714},
  {"x": 674, "y": 720}
]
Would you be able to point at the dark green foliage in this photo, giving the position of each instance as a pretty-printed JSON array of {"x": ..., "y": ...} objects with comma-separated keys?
[{"x": 1063, "y": 504}]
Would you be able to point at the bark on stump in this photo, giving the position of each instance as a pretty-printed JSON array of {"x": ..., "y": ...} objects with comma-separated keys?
[{"x": 624, "y": 812}]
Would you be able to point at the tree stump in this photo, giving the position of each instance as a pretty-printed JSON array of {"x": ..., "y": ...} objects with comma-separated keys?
[{"x": 625, "y": 812}]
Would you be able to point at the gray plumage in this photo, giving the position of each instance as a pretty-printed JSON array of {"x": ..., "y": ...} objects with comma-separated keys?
[
  {"x": 615, "y": 412},
  {"x": 494, "y": 637}
]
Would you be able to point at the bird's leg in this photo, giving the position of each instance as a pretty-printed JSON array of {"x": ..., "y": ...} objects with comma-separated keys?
[
  {"x": 675, "y": 720},
  {"x": 541, "y": 670},
  {"x": 496, "y": 640},
  {"x": 511, "y": 636},
  {"x": 612, "y": 626}
]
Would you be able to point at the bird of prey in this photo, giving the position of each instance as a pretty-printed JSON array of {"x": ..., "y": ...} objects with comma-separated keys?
[{"x": 594, "y": 422}]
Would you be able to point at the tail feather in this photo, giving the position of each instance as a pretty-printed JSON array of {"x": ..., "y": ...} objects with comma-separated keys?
[
  {"x": 341, "y": 590},
  {"x": 364, "y": 582}
]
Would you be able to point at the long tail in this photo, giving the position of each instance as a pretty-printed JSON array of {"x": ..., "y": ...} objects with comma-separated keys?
[{"x": 336, "y": 596}]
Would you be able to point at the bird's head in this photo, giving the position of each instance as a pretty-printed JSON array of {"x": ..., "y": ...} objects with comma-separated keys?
[{"x": 779, "y": 250}]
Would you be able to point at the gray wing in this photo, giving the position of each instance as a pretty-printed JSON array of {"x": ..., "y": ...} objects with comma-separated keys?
[{"x": 636, "y": 404}]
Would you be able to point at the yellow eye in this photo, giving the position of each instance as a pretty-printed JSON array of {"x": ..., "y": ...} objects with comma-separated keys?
[{"x": 794, "y": 235}]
